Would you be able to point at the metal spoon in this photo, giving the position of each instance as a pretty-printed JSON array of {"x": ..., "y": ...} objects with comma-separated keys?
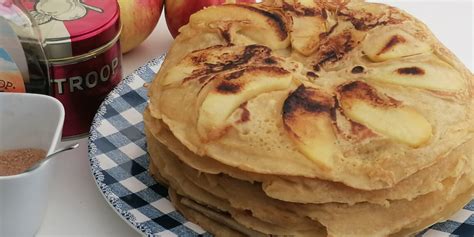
[{"x": 70, "y": 147}]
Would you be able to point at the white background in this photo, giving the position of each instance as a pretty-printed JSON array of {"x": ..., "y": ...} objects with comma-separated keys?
[{"x": 77, "y": 208}]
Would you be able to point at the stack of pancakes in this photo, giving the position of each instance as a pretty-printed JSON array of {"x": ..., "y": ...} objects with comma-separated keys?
[{"x": 302, "y": 118}]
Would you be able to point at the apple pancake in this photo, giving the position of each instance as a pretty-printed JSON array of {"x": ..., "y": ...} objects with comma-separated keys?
[
  {"x": 185, "y": 187},
  {"x": 364, "y": 118},
  {"x": 171, "y": 169},
  {"x": 213, "y": 225},
  {"x": 307, "y": 118},
  {"x": 359, "y": 218},
  {"x": 222, "y": 225},
  {"x": 302, "y": 190}
]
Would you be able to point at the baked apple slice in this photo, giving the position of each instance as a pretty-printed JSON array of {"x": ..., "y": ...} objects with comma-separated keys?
[
  {"x": 232, "y": 89},
  {"x": 395, "y": 43},
  {"x": 384, "y": 115},
  {"x": 266, "y": 27},
  {"x": 432, "y": 74},
  {"x": 305, "y": 33},
  {"x": 307, "y": 119}
]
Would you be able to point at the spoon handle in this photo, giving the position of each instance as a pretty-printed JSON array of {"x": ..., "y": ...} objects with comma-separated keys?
[
  {"x": 35, "y": 166},
  {"x": 67, "y": 148}
]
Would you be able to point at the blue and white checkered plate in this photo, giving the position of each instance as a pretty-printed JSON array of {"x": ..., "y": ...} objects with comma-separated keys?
[{"x": 119, "y": 162}]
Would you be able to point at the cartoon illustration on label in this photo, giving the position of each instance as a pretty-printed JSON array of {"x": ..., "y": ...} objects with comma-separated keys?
[
  {"x": 10, "y": 77},
  {"x": 61, "y": 10}
]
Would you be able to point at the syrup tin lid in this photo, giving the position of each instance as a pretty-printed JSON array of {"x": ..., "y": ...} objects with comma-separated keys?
[{"x": 73, "y": 28}]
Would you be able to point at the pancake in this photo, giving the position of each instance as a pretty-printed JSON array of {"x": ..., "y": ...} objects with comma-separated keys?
[
  {"x": 303, "y": 190},
  {"x": 186, "y": 188},
  {"x": 375, "y": 221},
  {"x": 214, "y": 226},
  {"x": 223, "y": 220},
  {"x": 311, "y": 118},
  {"x": 340, "y": 219},
  {"x": 370, "y": 101},
  {"x": 170, "y": 169}
]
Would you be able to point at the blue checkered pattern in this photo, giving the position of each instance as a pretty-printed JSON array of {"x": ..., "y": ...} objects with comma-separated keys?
[{"x": 117, "y": 152}]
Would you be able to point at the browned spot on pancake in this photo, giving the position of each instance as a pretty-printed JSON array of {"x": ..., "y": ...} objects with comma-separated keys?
[
  {"x": 251, "y": 58},
  {"x": 226, "y": 87},
  {"x": 309, "y": 11},
  {"x": 245, "y": 116},
  {"x": 270, "y": 60},
  {"x": 251, "y": 69},
  {"x": 361, "y": 25},
  {"x": 200, "y": 78},
  {"x": 326, "y": 34},
  {"x": 329, "y": 56},
  {"x": 335, "y": 48},
  {"x": 334, "y": 110},
  {"x": 273, "y": 70},
  {"x": 231, "y": 83},
  {"x": 324, "y": 14},
  {"x": 274, "y": 20},
  {"x": 357, "y": 70},
  {"x": 366, "y": 20},
  {"x": 312, "y": 74},
  {"x": 305, "y": 103},
  {"x": 362, "y": 91},
  {"x": 198, "y": 59},
  {"x": 224, "y": 56},
  {"x": 391, "y": 43},
  {"x": 204, "y": 78},
  {"x": 411, "y": 71},
  {"x": 317, "y": 67},
  {"x": 288, "y": 7},
  {"x": 270, "y": 70},
  {"x": 300, "y": 10},
  {"x": 250, "y": 52},
  {"x": 226, "y": 35},
  {"x": 360, "y": 131},
  {"x": 234, "y": 75},
  {"x": 247, "y": 212},
  {"x": 308, "y": 99}
]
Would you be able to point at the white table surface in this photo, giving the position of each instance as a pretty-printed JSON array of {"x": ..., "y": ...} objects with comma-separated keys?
[{"x": 77, "y": 208}]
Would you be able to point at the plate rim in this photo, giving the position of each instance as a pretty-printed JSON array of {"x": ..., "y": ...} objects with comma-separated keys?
[{"x": 112, "y": 200}]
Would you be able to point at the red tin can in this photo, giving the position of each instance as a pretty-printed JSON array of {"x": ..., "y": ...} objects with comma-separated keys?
[{"x": 83, "y": 50}]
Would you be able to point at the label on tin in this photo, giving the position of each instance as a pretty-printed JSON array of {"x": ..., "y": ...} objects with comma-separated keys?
[
  {"x": 82, "y": 86},
  {"x": 13, "y": 67},
  {"x": 10, "y": 77}
]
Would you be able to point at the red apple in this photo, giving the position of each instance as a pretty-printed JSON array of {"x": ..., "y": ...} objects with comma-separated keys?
[
  {"x": 139, "y": 18},
  {"x": 177, "y": 12}
]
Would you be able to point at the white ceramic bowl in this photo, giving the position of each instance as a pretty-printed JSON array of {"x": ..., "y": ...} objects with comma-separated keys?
[{"x": 27, "y": 121}]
